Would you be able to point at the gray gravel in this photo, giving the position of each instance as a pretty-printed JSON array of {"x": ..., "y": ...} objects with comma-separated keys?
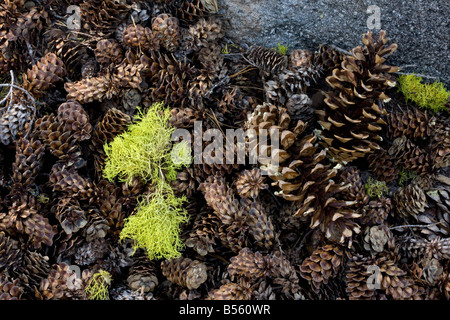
[{"x": 421, "y": 28}]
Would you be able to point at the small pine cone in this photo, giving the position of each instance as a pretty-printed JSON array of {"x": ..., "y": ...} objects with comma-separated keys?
[
  {"x": 299, "y": 107},
  {"x": 109, "y": 203},
  {"x": 266, "y": 59},
  {"x": 142, "y": 275},
  {"x": 62, "y": 283},
  {"x": 383, "y": 166},
  {"x": 70, "y": 215},
  {"x": 357, "y": 278},
  {"x": 129, "y": 75},
  {"x": 39, "y": 230},
  {"x": 354, "y": 186},
  {"x": 377, "y": 237},
  {"x": 10, "y": 290},
  {"x": 328, "y": 58},
  {"x": 376, "y": 211},
  {"x": 70, "y": 182},
  {"x": 250, "y": 182},
  {"x": 410, "y": 200},
  {"x": 437, "y": 248},
  {"x": 28, "y": 162},
  {"x": 260, "y": 226},
  {"x": 299, "y": 58},
  {"x": 23, "y": 205},
  {"x": 203, "y": 233},
  {"x": 97, "y": 226},
  {"x": 75, "y": 120},
  {"x": 114, "y": 122},
  {"x": 283, "y": 273},
  {"x": 184, "y": 272},
  {"x": 91, "y": 89},
  {"x": 190, "y": 11},
  {"x": 138, "y": 36},
  {"x": 44, "y": 74},
  {"x": 440, "y": 145},
  {"x": 185, "y": 183},
  {"x": 206, "y": 31},
  {"x": 323, "y": 264},
  {"x": 184, "y": 117},
  {"x": 167, "y": 31},
  {"x": 33, "y": 268},
  {"x": 92, "y": 251},
  {"x": 412, "y": 123},
  {"x": 61, "y": 143},
  {"x": 232, "y": 291},
  {"x": 10, "y": 253},
  {"x": 108, "y": 51},
  {"x": 248, "y": 265},
  {"x": 12, "y": 121},
  {"x": 411, "y": 156}
]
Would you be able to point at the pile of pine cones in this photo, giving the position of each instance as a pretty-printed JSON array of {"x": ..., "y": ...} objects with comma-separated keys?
[{"x": 307, "y": 229}]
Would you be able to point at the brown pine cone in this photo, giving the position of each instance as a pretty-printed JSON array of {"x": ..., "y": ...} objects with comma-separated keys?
[
  {"x": 70, "y": 215},
  {"x": 410, "y": 200},
  {"x": 40, "y": 231},
  {"x": 437, "y": 248},
  {"x": 327, "y": 58},
  {"x": 322, "y": 265},
  {"x": 354, "y": 186},
  {"x": 33, "y": 269},
  {"x": 10, "y": 290},
  {"x": 108, "y": 51},
  {"x": 184, "y": 272},
  {"x": 299, "y": 58},
  {"x": 109, "y": 202},
  {"x": 266, "y": 59},
  {"x": 250, "y": 182},
  {"x": 138, "y": 36},
  {"x": 44, "y": 74},
  {"x": 206, "y": 31},
  {"x": 10, "y": 252},
  {"x": 91, "y": 89},
  {"x": 260, "y": 226},
  {"x": 190, "y": 11},
  {"x": 378, "y": 238},
  {"x": 383, "y": 165},
  {"x": 28, "y": 162},
  {"x": 13, "y": 121},
  {"x": 69, "y": 182},
  {"x": 440, "y": 144},
  {"x": 232, "y": 291},
  {"x": 75, "y": 120},
  {"x": 202, "y": 237},
  {"x": 167, "y": 31},
  {"x": 142, "y": 275},
  {"x": 376, "y": 211},
  {"x": 412, "y": 123},
  {"x": 248, "y": 265},
  {"x": 96, "y": 227},
  {"x": 411, "y": 156},
  {"x": 357, "y": 278}
]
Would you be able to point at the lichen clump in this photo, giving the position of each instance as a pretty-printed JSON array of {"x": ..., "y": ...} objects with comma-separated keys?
[
  {"x": 144, "y": 149},
  {"x": 431, "y": 96},
  {"x": 375, "y": 188},
  {"x": 97, "y": 288}
]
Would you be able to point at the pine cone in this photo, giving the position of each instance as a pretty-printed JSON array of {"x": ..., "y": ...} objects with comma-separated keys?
[
  {"x": 110, "y": 204},
  {"x": 437, "y": 248},
  {"x": 322, "y": 265},
  {"x": 383, "y": 165},
  {"x": 327, "y": 58},
  {"x": 266, "y": 59},
  {"x": 248, "y": 265},
  {"x": 352, "y": 120},
  {"x": 142, "y": 274},
  {"x": 91, "y": 89},
  {"x": 28, "y": 162},
  {"x": 10, "y": 290},
  {"x": 13, "y": 120},
  {"x": 69, "y": 182},
  {"x": 377, "y": 237},
  {"x": 39, "y": 230},
  {"x": 357, "y": 278},
  {"x": 190, "y": 11},
  {"x": 232, "y": 291},
  {"x": 97, "y": 226},
  {"x": 206, "y": 31},
  {"x": 410, "y": 200},
  {"x": 202, "y": 236},
  {"x": 10, "y": 253},
  {"x": 376, "y": 211},
  {"x": 43, "y": 75},
  {"x": 138, "y": 36},
  {"x": 250, "y": 182},
  {"x": 108, "y": 51},
  {"x": 412, "y": 123},
  {"x": 75, "y": 120},
  {"x": 354, "y": 186},
  {"x": 91, "y": 252},
  {"x": 101, "y": 17},
  {"x": 411, "y": 156},
  {"x": 70, "y": 215},
  {"x": 260, "y": 226},
  {"x": 184, "y": 272},
  {"x": 114, "y": 122},
  {"x": 167, "y": 31},
  {"x": 299, "y": 107},
  {"x": 31, "y": 271},
  {"x": 440, "y": 145}
]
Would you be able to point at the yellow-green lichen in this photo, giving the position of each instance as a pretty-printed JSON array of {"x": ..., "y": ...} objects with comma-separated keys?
[
  {"x": 376, "y": 189},
  {"x": 431, "y": 96},
  {"x": 405, "y": 175},
  {"x": 97, "y": 289},
  {"x": 281, "y": 49},
  {"x": 143, "y": 150}
]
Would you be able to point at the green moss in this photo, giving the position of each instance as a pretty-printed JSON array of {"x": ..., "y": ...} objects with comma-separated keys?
[
  {"x": 376, "y": 189},
  {"x": 405, "y": 176},
  {"x": 429, "y": 96},
  {"x": 155, "y": 226},
  {"x": 281, "y": 49},
  {"x": 97, "y": 289},
  {"x": 143, "y": 150}
]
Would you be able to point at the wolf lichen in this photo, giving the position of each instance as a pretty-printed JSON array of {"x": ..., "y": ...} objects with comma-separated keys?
[
  {"x": 281, "y": 49},
  {"x": 405, "y": 176},
  {"x": 376, "y": 189},
  {"x": 97, "y": 289},
  {"x": 143, "y": 150},
  {"x": 155, "y": 226},
  {"x": 431, "y": 96}
]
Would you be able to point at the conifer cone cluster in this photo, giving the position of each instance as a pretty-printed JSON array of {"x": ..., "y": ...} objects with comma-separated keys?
[{"x": 286, "y": 218}]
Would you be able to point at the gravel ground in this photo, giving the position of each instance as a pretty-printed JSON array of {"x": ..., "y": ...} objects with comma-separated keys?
[{"x": 420, "y": 27}]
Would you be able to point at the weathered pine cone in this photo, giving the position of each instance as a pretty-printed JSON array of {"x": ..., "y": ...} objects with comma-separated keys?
[{"x": 184, "y": 272}]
